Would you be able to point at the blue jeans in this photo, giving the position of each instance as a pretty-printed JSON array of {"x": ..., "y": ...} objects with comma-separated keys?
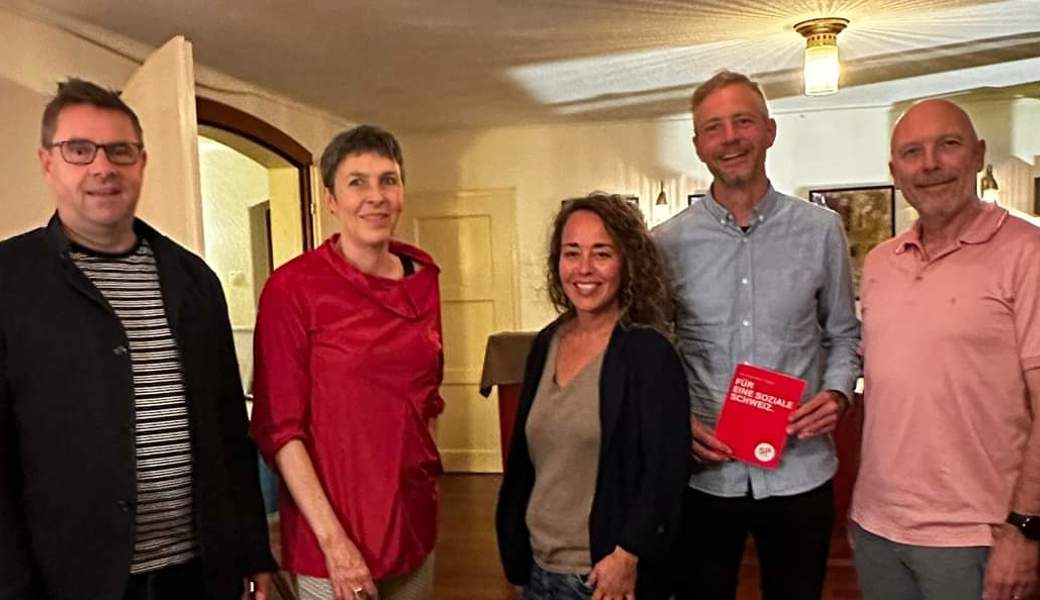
[{"x": 555, "y": 586}]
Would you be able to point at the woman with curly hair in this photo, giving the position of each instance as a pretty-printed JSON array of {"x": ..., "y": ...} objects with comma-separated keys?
[{"x": 594, "y": 481}]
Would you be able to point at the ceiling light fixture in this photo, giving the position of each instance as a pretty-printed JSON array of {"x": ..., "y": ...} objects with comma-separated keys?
[
  {"x": 988, "y": 186},
  {"x": 821, "y": 54}
]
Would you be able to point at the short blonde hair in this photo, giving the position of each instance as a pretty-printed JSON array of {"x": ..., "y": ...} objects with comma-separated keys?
[{"x": 723, "y": 79}]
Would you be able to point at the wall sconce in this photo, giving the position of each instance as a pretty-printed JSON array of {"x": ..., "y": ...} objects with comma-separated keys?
[
  {"x": 822, "y": 67},
  {"x": 988, "y": 186},
  {"x": 662, "y": 200}
]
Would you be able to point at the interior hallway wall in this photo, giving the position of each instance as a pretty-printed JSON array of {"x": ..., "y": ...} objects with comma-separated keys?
[
  {"x": 286, "y": 229},
  {"x": 231, "y": 183},
  {"x": 27, "y": 200}
]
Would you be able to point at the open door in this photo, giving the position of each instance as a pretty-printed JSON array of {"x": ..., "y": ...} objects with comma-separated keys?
[{"x": 162, "y": 93}]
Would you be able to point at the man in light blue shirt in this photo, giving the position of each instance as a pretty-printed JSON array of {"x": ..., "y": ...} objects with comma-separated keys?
[{"x": 761, "y": 278}]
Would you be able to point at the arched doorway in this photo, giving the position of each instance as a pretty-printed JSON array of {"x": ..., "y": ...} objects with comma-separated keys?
[
  {"x": 255, "y": 185},
  {"x": 217, "y": 119}
]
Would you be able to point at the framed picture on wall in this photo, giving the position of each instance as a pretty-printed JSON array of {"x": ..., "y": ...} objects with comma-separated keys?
[{"x": 869, "y": 216}]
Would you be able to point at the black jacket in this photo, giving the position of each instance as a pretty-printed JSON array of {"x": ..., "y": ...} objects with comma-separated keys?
[
  {"x": 643, "y": 459},
  {"x": 67, "y": 474}
]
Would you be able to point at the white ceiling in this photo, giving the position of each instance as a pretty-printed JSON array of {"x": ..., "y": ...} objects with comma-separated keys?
[{"x": 428, "y": 64}]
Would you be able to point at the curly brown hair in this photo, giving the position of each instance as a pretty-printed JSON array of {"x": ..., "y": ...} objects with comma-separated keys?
[{"x": 643, "y": 295}]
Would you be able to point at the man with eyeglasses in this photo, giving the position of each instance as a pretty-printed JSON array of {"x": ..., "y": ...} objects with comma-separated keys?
[{"x": 126, "y": 470}]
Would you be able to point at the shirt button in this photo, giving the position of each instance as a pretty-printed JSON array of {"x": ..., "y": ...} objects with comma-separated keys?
[
  {"x": 745, "y": 323},
  {"x": 743, "y": 240},
  {"x": 124, "y": 506},
  {"x": 743, "y": 281},
  {"x": 722, "y": 221},
  {"x": 119, "y": 350}
]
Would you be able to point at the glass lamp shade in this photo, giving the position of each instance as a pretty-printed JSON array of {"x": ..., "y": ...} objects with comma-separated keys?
[{"x": 821, "y": 70}]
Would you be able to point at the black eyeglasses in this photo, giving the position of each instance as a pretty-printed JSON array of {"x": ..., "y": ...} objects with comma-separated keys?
[{"x": 83, "y": 152}]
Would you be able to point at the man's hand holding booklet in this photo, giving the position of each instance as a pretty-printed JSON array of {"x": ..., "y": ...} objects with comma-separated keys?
[{"x": 756, "y": 412}]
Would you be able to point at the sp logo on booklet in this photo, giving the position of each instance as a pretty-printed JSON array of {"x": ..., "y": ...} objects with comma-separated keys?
[{"x": 765, "y": 452}]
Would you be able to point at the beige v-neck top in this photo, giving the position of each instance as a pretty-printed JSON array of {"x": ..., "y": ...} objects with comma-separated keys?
[{"x": 563, "y": 437}]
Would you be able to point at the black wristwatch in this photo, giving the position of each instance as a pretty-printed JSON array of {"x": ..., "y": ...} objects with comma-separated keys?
[{"x": 1029, "y": 525}]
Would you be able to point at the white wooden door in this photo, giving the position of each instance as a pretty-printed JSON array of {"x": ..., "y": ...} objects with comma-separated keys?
[
  {"x": 471, "y": 234},
  {"x": 162, "y": 93}
]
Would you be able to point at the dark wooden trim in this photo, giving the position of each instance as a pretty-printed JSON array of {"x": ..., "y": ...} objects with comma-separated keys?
[
  {"x": 1036, "y": 195},
  {"x": 306, "y": 216},
  {"x": 222, "y": 116}
]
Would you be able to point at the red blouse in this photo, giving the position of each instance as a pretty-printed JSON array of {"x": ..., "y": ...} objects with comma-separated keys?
[{"x": 350, "y": 364}]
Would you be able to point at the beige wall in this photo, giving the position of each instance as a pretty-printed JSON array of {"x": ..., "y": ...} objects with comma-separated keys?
[
  {"x": 286, "y": 227},
  {"x": 231, "y": 184},
  {"x": 27, "y": 201},
  {"x": 1012, "y": 144}
]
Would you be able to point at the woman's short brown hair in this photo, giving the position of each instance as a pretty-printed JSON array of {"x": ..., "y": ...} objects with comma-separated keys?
[{"x": 358, "y": 140}]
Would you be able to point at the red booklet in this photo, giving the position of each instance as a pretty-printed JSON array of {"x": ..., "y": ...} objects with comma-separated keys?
[{"x": 755, "y": 414}]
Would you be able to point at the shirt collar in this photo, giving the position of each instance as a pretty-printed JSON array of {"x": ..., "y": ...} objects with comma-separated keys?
[
  {"x": 330, "y": 247},
  {"x": 981, "y": 230},
  {"x": 763, "y": 209}
]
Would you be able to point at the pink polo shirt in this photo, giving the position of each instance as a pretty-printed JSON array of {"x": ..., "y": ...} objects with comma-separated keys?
[{"x": 946, "y": 341}]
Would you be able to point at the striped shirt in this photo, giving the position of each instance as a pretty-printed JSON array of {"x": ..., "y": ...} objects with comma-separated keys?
[{"x": 164, "y": 526}]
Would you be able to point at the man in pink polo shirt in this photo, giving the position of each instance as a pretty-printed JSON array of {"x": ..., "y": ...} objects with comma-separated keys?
[{"x": 948, "y": 497}]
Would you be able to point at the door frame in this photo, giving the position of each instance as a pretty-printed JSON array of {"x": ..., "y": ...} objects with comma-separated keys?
[{"x": 222, "y": 116}]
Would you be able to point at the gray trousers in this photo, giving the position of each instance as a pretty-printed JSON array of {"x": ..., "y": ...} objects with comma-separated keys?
[{"x": 892, "y": 571}]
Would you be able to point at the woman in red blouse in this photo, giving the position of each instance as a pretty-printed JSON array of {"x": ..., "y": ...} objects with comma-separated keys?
[{"x": 348, "y": 364}]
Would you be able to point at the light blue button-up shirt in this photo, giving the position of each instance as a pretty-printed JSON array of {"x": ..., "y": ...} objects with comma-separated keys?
[{"x": 778, "y": 296}]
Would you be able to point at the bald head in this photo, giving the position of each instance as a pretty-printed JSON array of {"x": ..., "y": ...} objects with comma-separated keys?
[
  {"x": 937, "y": 112},
  {"x": 936, "y": 155}
]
